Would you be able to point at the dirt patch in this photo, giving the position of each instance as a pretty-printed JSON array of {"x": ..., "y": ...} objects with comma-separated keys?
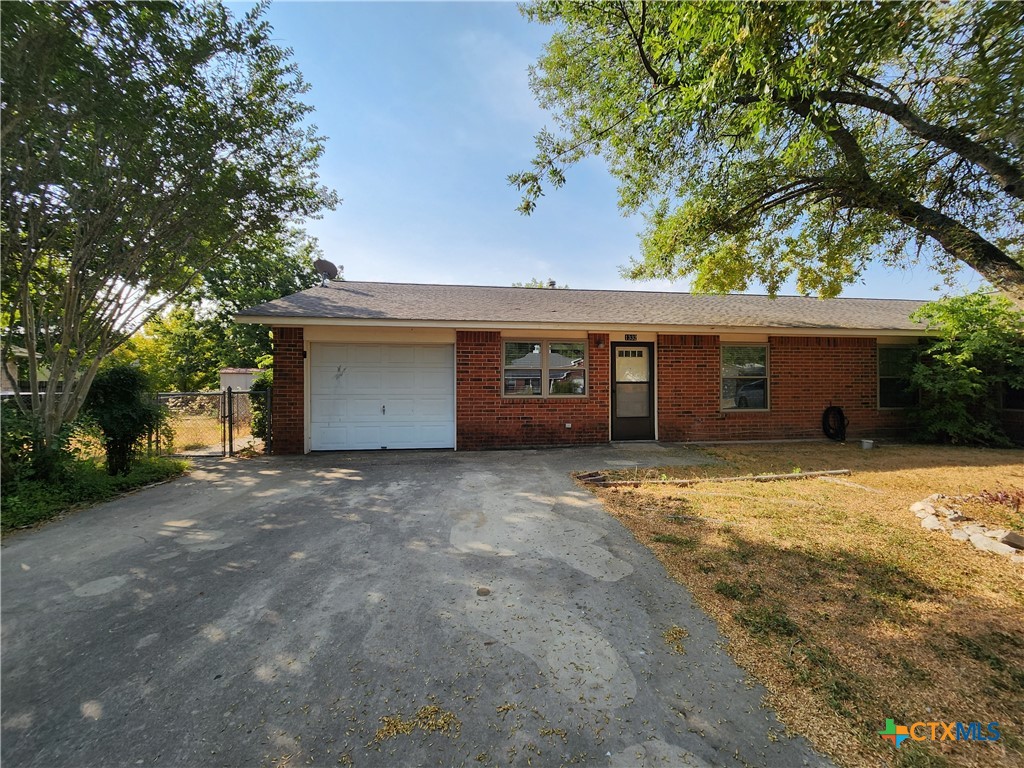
[{"x": 836, "y": 598}]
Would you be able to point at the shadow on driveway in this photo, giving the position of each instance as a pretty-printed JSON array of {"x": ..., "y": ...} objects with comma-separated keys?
[{"x": 427, "y": 608}]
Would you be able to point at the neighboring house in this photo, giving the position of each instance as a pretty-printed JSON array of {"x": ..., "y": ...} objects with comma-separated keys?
[
  {"x": 361, "y": 365},
  {"x": 12, "y": 383},
  {"x": 239, "y": 379}
]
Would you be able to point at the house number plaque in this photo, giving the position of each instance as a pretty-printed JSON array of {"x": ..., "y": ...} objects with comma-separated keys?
[{"x": 630, "y": 337}]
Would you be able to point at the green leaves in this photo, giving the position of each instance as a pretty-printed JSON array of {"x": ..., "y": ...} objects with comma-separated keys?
[
  {"x": 816, "y": 135},
  {"x": 123, "y": 408},
  {"x": 146, "y": 147},
  {"x": 961, "y": 373}
]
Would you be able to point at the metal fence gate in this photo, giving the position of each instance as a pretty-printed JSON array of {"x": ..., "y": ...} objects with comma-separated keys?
[{"x": 213, "y": 423}]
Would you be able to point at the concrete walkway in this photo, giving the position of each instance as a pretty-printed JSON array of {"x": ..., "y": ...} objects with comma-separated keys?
[{"x": 272, "y": 611}]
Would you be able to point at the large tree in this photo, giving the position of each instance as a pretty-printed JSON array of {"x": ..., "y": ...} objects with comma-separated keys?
[
  {"x": 769, "y": 141},
  {"x": 184, "y": 347},
  {"x": 143, "y": 144}
]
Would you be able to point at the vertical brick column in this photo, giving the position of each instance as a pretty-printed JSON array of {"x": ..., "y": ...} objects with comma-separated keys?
[
  {"x": 288, "y": 400},
  {"x": 688, "y": 383}
]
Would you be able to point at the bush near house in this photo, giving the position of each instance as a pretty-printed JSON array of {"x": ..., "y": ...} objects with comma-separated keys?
[
  {"x": 962, "y": 375},
  {"x": 120, "y": 404},
  {"x": 260, "y": 404}
]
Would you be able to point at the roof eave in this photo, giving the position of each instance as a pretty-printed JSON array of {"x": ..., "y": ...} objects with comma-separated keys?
[{"x": 789, "y": 330}]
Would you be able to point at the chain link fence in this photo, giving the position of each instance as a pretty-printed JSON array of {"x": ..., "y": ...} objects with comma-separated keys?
[{"x": 213, "y": 423}]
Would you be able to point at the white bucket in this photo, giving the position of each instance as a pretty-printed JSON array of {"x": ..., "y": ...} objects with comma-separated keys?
[{"x": 867, "y": 444}]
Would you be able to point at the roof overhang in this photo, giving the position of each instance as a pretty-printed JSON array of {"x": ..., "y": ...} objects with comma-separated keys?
[{"x": 487, "y": 325}]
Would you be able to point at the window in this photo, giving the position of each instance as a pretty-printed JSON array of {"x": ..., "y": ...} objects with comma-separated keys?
[
  {"x": 744, "y": 377},
  {"x": 894, "y": 387},
  {"x": 545, "y": 368}
]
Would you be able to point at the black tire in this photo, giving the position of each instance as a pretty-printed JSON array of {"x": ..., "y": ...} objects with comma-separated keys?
[{"x": 834, "y": 423}]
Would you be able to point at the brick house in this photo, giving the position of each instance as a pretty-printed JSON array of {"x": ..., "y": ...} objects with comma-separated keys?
[{"x": 360, "y": 365}]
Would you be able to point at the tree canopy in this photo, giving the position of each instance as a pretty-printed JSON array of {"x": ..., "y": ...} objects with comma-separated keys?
[
  {"x": 146, "y": 146},
  {"x": 536, "y": 282},
  {"x": 775, "y": 140}
]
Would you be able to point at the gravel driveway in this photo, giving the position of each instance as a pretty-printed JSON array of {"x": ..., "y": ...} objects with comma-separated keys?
[{"x": 415, "y": 608}]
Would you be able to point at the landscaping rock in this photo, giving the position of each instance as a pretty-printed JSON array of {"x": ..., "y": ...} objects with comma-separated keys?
[
  {"x": 922, "y": 506},
  {"x": 960, "y": 535},
  {"x": 923, "y": 513},
  {"x": 934, "y": 497},
  {"x": 955, "y": 517},
  {"x": 973, "y": 529},
  {"x": 932, "y": 523},
  {"x": 996, "y": 533},
  {"x": 986, "y": 544},
  {"x": 1013, "y": 539},
  {"x": 1017, "y": 558}
]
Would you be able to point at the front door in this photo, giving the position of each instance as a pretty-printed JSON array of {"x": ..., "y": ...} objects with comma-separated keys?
[{"x": 632, "y": 391}]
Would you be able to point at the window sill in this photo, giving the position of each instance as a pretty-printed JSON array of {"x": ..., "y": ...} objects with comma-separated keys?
[
  {"x": 726, "y": 411},
  {"x": 544, "y": 397}
]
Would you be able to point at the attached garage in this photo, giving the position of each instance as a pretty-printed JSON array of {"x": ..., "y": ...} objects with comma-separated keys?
[{"x": 374, "y": 396}]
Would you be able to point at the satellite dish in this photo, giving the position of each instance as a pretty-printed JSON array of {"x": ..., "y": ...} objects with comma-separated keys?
[{"x": 326, "y": 270}]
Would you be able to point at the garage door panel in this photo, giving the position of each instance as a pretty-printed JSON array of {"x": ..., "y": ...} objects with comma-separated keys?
[
  {"x": 365, "y": 354},
  {"x": 399, "y": 380},
  {"x": 349, "y": 384},
  {"x": 330, "y": 355},
  {"x": 433, "y": 408},
  {"x": 325, "y": 381},
  {"x": 330, "y": 435},
  {"x": 429, "y": 381},
  {"x": 442, "y": 357},
  {"x": 400, "y": 354},
  {"x": 328, "y": 411},
  {"x": 416, "y": 435},
  {"x": 400, "y": 409},
  {"x": 363, "y": 381}
]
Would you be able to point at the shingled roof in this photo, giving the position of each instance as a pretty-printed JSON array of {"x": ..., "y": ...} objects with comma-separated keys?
[{"x": 469, "y": 306}]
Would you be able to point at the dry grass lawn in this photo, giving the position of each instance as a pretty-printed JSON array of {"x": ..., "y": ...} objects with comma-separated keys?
[{"x": 835, "y": 597}]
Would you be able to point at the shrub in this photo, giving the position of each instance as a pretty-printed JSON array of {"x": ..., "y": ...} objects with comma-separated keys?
[
  {"x": 22, "y": 453},
  {"x": 961, "y": 374},
  {"x": 32, "y": 501},
  {"x": 260, "y": 403},
  {"x": 124, "y": 411}
]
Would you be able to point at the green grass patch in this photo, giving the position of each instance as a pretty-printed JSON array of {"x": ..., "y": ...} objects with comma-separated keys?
[
  {"x": 762, "y": 620},
  {"x": 734, "y": 590},
  {"x": 27, "y": 502},
  {"x": 679, "y": 541}
]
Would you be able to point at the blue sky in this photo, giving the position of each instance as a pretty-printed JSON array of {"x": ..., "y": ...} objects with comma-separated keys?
[{"x": 427, "y": 109}]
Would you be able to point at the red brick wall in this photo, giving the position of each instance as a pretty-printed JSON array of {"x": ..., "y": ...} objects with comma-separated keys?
[
  {"x": 288, "y": 422},
  {"x": 485, "y": 419},
  {"x": 806, "y": 374}
]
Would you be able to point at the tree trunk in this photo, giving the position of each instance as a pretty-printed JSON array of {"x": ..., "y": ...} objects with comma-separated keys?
[{"x": 960, "y": 242}]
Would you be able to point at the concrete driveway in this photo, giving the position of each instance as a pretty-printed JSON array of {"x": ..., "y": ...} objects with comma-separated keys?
[{"x": 273, "y": 611}]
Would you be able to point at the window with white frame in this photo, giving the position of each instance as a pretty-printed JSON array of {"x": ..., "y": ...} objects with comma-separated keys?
[
  {"x": 544, "y": 368},
  {"x": 744, "y": 377}
]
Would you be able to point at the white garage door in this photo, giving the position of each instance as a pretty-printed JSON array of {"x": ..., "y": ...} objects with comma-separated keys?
[{"x": 372, "y": 396}]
